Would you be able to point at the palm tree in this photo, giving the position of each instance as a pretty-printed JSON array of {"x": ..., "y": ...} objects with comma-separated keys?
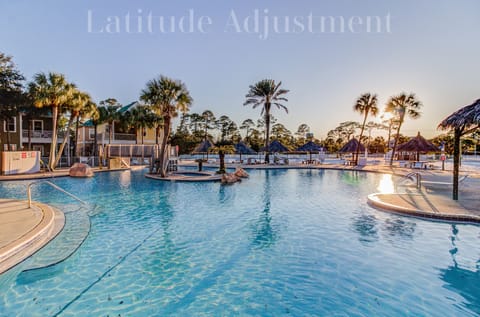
[
  {"x": 90, "y": 110},
  {"x": 365, "y": 104},
  {"x": 266, "y": 93},
  {"x": 141, "y": 118},
  {"x": 76, "y": 104},
  {"x": 166, "y": 96},
  {"x": 400, "y": 106},
  {"x": 463, "y": 121},
  {"x": 51, "y": 90},
  {"x": 108, "y": 113}
]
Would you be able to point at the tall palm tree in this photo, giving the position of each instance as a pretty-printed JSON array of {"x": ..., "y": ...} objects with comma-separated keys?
[
  {"x": 266, "y": 93},
  {"x": 400, "y": 106},
  {"x": 366, "y": 104},
  {"x": 75, "y": 105},
  {"x": 89, "y": 111},
  {"x": 166, "y": 97},
  {"x": 141, "y": 118},
  {"x": 51, "y": 90},
  {"x": 108, "y": 113}
]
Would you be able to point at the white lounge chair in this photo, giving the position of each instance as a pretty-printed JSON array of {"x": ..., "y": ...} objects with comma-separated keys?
[{"x": 443, "y": 184}]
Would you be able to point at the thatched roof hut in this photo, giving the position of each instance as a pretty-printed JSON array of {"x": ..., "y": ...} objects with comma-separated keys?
[
  {"x": 418, "y": 145},
  {"x": 463, "y": 118},
  {"x": 203, "y": 147},
  {"x": 351, "y": 146},
  {"x": 242, "y": 148},
  {"x": 462, "y": 121},
  {"x": 310, "y": 146},
  {"x": 275, "y": 147}
]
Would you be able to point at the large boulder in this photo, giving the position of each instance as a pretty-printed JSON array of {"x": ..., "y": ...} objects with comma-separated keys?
[
  {"x": 229, "y": 178},
  {"x": 240, "y": 172},
  {"x": 81, "y": 170}
]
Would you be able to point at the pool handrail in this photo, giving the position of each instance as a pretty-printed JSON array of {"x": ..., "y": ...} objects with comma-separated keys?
[
  {"x": 417, "y": 175},
  {"x": 29, "y": 192}
]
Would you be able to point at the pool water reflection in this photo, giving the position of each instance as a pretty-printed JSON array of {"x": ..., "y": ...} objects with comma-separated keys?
[{"x": 283, "y": 242}]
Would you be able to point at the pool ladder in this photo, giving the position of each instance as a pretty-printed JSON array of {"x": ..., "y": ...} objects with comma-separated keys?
[{"x": 29, "y": 192}]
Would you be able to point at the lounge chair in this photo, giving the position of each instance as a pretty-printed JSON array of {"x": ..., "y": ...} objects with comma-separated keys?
[{"x": 443, "y": 184}]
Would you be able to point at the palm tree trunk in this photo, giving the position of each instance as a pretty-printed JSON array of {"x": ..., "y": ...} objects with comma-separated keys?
[
  {"x": 143, "y": 132},
  {"x": 53, "y": 146},
  {"x": 395, "y": 143},
  {"x": 357, "y": 152},
  {"x": 456, "y": 162},
  {"x": 267, "y": 132},
  {"x": 76, "y": 137},
  {"x": 157, "y": 132},
  {"x": 221, "y": 155},
  {"x": 65, "y": 139},
  {"x": 163, "y": 147},
  {"x": 389, "y": 135}
]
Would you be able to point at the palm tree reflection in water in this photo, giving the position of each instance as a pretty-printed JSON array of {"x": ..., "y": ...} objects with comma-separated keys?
[
  {"x": 397, "y": 227},
  {"x": 461, "y": 280},
  {"x": 366, "y": 226},
  {"x": 265, "y": 234}
]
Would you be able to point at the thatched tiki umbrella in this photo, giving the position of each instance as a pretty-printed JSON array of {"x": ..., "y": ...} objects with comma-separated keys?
[
  {"x": 351, "y": 146},
  {"x": 242, "y": 148},
  {"x": 310, "y": 147},
  {"x": 203, "y": 147},
  {"x": 419, "y": 145},
  {"x": 463, "y": 121},
  {"x": 275, "y": 147}
]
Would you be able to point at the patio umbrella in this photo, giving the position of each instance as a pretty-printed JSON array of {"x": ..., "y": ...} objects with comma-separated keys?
[
  {"x": 351, "y": 147},
  {"x": 275, "y": 147},
  {"x": 310, "y": 147},
  {"x": 418, "y": 145},
  {"x": 203, "y": 147},
  {"x": 462, "y": 121},
  {"x": 242, "y": 148}
]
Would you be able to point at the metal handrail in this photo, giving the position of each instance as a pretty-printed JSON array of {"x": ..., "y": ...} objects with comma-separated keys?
[
  {"x": 29, "y": 192},
  {"x": 418, "y": 178}
]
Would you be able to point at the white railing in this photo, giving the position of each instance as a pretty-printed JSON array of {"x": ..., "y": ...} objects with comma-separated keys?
[{"x": 29, "y": 192}]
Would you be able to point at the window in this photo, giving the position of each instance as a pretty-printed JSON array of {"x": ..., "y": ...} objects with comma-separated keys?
[
  {"x": 91, "y": 134},
  {"x": 37, "y": 125},
  {"x": 10, "y": 125}
]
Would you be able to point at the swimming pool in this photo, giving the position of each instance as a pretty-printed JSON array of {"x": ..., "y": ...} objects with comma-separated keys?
[{"x": 284, "y": 242}]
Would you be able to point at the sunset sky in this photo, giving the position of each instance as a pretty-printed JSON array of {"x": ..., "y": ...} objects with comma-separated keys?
[{"x": 427, "y": 47}]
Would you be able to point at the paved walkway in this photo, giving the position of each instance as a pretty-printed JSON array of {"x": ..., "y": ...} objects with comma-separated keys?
[{"x": 60, "y": 172}]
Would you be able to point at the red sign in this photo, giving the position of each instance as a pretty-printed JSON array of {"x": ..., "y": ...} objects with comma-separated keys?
[{"x": 24, "y": 155}]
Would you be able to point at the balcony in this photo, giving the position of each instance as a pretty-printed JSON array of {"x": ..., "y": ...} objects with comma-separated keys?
[
  {"x": 124, "y": 137},
  {"x": 117, "y": 138},
  {"x": 44, "y": 136}
]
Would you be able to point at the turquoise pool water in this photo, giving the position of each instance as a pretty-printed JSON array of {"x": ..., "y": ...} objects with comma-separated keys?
[{"x": 282, "y": 243}]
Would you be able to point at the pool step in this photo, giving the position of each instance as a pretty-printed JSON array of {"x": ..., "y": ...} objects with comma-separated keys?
[
  {"x": 77, "y": 227},
  {"x": 33, "y": 239}
]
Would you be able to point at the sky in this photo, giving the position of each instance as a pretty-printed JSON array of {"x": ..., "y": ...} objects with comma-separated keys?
[{"x": 219, "y": 48}]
